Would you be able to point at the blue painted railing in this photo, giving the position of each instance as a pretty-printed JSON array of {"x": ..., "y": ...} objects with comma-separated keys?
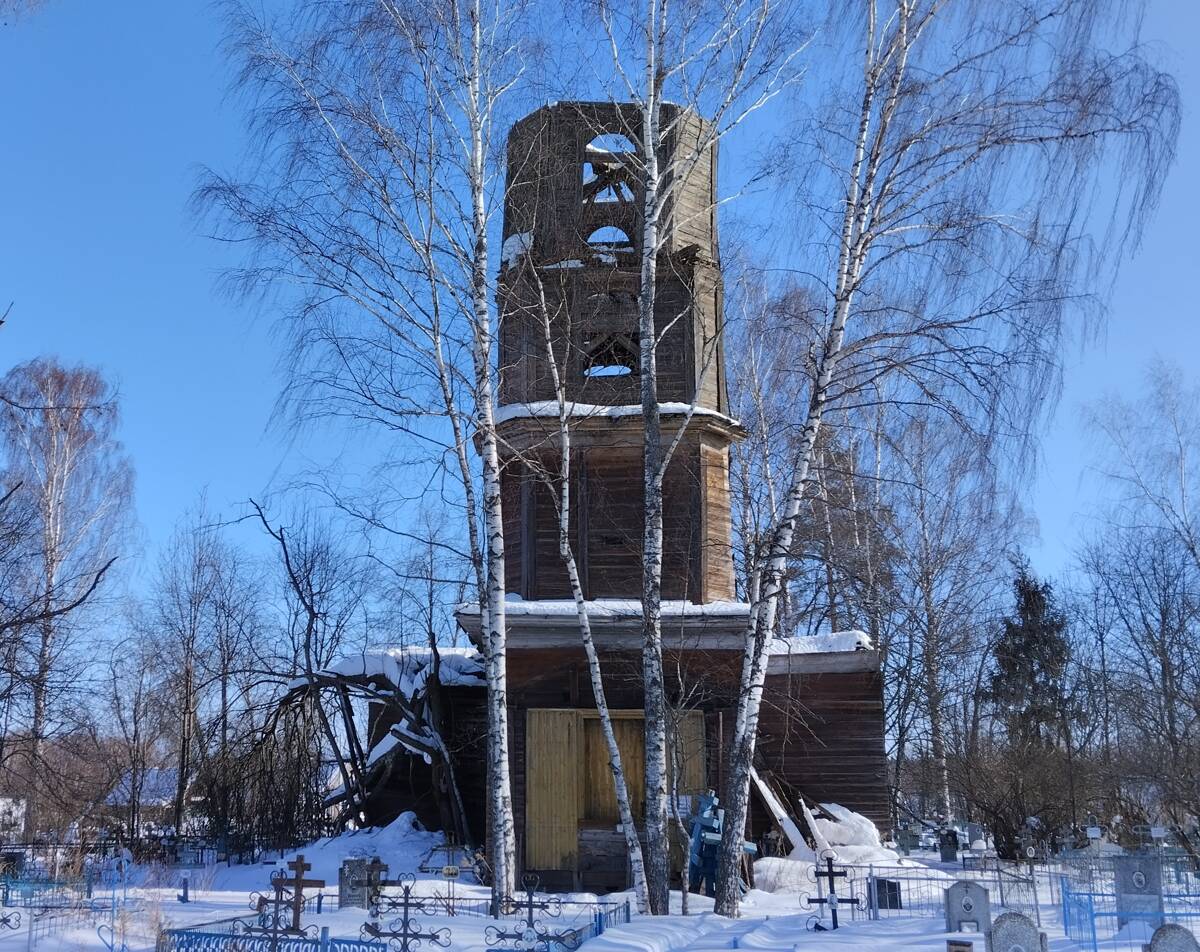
[
  {"x": 1078, "y": 915},
  {"x": 195, "y": 940}
]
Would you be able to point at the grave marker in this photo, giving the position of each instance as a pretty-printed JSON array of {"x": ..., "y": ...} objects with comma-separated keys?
[
  {"x": 280, "y": 914},
  {"x": 1013, "y": 932},
  {"x": 831, "y": 900},
  {"x": 948, "y": 845},
  {"x": 1139, "y": 889},
  {"x": 531, "y": 934},
  {"x": 968, "y": 907},
  {"x": 1173, "y": 938},
  {"x": 404, "y": 933},
  {"x": 352, "y": 885}
]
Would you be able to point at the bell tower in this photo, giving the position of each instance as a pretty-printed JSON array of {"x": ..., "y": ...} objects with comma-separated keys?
[{"x": 572, "y": 250}]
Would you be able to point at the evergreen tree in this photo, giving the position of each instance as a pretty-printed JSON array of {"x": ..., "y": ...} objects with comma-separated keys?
[{"x": 1028, "y": 686}]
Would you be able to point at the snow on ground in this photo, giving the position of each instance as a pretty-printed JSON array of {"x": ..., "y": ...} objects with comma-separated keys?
[{"x": 771, "y": 921}]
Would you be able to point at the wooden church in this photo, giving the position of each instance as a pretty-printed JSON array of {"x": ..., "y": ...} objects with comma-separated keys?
[{"x": 572, "y": 226}]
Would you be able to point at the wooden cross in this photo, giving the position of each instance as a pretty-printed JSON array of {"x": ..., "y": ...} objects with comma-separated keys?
[
  {"x": 832, "y": 900},
  {"x": 286, "y": 906},
  {"x": 297, "y": 884},
  {"x": 404, "y": 930}
]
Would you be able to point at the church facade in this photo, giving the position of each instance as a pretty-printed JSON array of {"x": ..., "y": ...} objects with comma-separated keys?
[{"x": 571, "y": 261}]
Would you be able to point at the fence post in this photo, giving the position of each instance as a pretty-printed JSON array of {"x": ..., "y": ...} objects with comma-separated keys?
[
  {"x": 872, "y": 894},
  {"x": 324, "y": 938},
  {"x": 1037, "y": 906}
]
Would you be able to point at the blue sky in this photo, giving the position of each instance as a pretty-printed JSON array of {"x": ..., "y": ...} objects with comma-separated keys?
[{"x": 107, "y": 113}]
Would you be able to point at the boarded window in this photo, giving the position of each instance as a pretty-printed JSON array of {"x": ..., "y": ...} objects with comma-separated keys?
[
  {"x": 569, "y": 781},
  {"x": 552, "y": 789}
]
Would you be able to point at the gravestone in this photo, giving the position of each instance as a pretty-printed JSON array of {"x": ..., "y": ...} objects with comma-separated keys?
[
  {"x": 1139, "y": 888},
  {"x": 1173, "y": 938},
  {"x": 968, "y": 907},
  {"x": 1013, "y": 932},
  {"x": 948, "y": 844},
  {"x": 908, "y": 840},
  {"x": 974, "y": 832},
  {"x": 352, "y": 883}
]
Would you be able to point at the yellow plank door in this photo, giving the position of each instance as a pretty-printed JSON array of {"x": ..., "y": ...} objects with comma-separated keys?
[{"x": 552, "y": 789}]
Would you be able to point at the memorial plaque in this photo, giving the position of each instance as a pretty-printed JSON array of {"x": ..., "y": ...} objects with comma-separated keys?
[{"x": 352, "y": 883}]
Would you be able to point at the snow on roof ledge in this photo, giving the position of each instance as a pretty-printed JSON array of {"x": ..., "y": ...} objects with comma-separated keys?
[
  {"x": 609, "y": 608},
  {"x": 549, "y": 408},
  {"x": 853, "y": 640},
  {"x": 408, "y": 668}
]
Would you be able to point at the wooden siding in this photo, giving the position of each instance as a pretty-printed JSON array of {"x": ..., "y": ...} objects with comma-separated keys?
[{"x": 716, "y": 555}]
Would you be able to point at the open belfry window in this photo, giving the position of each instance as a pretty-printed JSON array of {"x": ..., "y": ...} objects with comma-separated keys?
[
  {"x": 609, "y": 343},
  {"x": 607, "y": 169},
  {"x": 609, "y": 355}
]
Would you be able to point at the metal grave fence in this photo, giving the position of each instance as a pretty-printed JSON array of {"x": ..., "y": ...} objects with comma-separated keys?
[
  {"x": 1094, "y": 918},
  {"x": 197, "y": 940},
  {"x": 916, "y": 892}
]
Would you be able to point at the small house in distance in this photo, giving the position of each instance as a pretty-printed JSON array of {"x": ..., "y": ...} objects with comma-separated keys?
[{"x": 572, "y": 233}]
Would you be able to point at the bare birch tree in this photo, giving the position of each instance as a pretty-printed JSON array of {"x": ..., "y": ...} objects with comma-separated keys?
[
  {"x": 555, "y": 470},
  {"x": 377, "y": 197},
  {"x": 59, "y": 430},
  {"x": 949, "y": 219},
  {"x": 722, "y": 61}
]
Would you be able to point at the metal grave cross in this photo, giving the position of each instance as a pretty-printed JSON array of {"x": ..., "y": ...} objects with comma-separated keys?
[
  {"x": 531, "y": 934},
  {"x": 403, "y": 934},
  {"x": 831, "y": 900},
  {"x": 10, "y": 920}
]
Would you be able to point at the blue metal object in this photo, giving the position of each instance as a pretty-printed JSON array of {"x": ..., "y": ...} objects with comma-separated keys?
[
  {"x": 191, "y": 940},
  {"x": 183, "y": 896},
  {"x": 706, "y": 844}
]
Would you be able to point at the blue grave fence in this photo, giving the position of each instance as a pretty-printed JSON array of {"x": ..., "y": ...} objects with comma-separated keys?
[
  {"x": 198, "y": 940},
  {"x": 1093, "y": 917}
]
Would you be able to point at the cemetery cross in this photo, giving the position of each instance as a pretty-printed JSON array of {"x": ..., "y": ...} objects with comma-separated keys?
[
  {"x": 534, "y": 935},
  {"x": 403, "y": 934},
  {"x": 831, "y": 900}
]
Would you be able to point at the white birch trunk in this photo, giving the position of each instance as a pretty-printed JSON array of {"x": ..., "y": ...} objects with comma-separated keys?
[
  {"x": 633, "y": 846},
  {"x": 502, "y": 836},
  {"x": 853, "y": 246},
  {"x": 655, "y": 704}
]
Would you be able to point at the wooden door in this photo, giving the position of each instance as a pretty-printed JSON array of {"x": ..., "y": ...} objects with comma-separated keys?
[{"x": 552, "y": 789}]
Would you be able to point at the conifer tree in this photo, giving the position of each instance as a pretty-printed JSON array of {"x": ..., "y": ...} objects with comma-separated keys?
[{"x": 1028, "y": 686}]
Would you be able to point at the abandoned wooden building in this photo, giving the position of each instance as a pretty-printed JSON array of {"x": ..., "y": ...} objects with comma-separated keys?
[{"x": 572, "y": 229}]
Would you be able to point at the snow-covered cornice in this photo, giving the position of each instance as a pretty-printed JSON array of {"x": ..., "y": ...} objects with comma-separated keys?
[{"x": 540, "y": 409}]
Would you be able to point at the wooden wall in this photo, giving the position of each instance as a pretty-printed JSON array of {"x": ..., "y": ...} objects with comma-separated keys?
[
  {"x": 821, "y": 734},
  {"x": 607, "y": 518}
]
